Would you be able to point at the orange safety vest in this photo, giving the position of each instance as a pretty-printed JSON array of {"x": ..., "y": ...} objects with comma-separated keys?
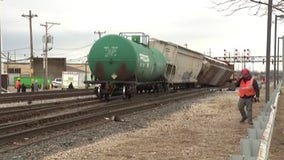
[
  {"x": 246, "y": 88},
  {"x": 18, "y": 84}
]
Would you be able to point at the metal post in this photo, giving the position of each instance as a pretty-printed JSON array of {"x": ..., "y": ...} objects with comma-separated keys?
[
  {"x": 47, "y": 27},
  {"x": 278, "y": 61},
  {"x": 0, "y": 57},
  {"x": 8, "y": 61},
  {"x": 244, "y": 58},
  {"x": 269, "y": 17},
  {"x": 275, "y": 35},
  {"x": 86, "y": 63},
  {"x": 30, "y": 16},
  {"x": 282, "y": 59},
  {"x": 45, "y": 57}
]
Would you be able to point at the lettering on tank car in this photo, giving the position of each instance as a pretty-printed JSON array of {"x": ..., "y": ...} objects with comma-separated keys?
[
  {"x": 144, "y": 60},
  {"x": 110, "y": 51}
]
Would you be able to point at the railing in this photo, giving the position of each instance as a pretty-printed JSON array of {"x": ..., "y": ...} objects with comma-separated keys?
[{"x": 256, "y": 145}]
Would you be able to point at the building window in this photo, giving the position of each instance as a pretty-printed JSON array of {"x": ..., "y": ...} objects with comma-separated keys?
[{"x": 14, "y": 70}]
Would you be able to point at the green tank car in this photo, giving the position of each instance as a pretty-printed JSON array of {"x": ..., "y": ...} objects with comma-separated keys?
[
  {"x": 125, "y": 64},
  {"x": 116, "y": 58}
]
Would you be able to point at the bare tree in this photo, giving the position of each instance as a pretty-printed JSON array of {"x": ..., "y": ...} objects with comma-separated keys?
[{"x": 254, "y": 7}]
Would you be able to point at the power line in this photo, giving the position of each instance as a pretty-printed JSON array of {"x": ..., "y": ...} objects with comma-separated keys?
[
  {"x": 17, "y": 49},
  {"x": 75, "y": 48}
]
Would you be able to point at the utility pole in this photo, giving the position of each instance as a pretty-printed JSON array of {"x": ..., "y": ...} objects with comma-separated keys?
[
  {"x": 30, "y": 16},
  {"x": 99, "y": 33},
  {"x": 47, "y": 26},
  {"x": 278, "y": 58},
  {"x": 282, "y": 59},
  {"x": 275, "y": 44},
  {"x": 8, "y": 61},
  {"x": 268, "y": 43},
  {"x": 0, "y": 56}
]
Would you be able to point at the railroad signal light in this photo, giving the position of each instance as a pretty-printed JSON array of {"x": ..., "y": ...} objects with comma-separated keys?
[{"x": 236, "y": 54}]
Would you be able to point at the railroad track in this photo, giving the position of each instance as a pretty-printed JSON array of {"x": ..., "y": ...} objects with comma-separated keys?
[
  {"x": 31, "y": 96},
  {"x": 10, "y": 114},
  {"x": 91, "y": 111}
]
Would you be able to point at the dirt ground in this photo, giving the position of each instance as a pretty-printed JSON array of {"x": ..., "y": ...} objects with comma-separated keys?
[
  {"x": 277, "y": 142},
  {"x": 206, "y": 128}
]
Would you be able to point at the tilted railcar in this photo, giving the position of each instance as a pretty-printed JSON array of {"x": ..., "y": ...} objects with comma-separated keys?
[
  {"x": 187, "y": 68},
  {"x": 183, "y": 65},
  {"x": 214, "y": 72}
]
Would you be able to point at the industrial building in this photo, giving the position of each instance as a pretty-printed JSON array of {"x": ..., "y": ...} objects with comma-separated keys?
[{"x": 55, "y": 68}]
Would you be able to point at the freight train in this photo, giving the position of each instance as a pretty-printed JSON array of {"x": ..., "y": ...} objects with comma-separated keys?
[{"x": 132, "y": 62}]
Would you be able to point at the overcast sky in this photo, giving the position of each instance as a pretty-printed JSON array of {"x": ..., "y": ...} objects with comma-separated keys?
[{"x": 190, "y": 22}]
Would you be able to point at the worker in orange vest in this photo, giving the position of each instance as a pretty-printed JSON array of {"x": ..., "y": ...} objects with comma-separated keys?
[
  {"x": 18, "y": 85},
  {"x": 248, "y": 93}
]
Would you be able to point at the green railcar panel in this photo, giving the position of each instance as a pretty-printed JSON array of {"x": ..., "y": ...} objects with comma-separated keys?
[{"x": 115, "y": 58}]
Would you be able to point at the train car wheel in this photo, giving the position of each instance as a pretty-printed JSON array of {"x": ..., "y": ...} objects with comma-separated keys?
[
  {"x": 99, "y": 93},
  {"x": 107, "y": 97},
  {"x": 124, "y": 92}
]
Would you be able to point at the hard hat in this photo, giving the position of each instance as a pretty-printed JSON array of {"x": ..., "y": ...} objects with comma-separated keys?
[
  {"x": 245, "y": 71},
  {"x": 18, "y": 78}
]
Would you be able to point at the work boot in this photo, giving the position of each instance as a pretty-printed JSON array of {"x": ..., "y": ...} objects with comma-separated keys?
[
  {"x": 250, "y": 122},
  {"x": 243, "y": 119}
]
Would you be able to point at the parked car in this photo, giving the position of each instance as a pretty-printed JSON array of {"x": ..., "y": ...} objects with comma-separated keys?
[{"x": 57, "y": 82}]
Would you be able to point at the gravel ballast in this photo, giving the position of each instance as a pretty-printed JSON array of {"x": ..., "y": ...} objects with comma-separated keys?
[{"x": 203, "y": 128}]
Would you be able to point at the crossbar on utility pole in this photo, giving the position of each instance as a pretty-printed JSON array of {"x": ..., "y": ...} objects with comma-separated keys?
[
  {"x": 30, "y": 16},
  {"x": 47, "y": 26}
]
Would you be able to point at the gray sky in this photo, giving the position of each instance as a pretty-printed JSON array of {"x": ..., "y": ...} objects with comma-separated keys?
[{"x": 189, "y": 22}]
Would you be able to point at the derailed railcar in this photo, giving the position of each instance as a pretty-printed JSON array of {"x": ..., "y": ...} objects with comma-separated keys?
[
  {"x": 182, "y": 65},
  {"x": 126, "y": 62},
  {"x": 214, "y": 72}
]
